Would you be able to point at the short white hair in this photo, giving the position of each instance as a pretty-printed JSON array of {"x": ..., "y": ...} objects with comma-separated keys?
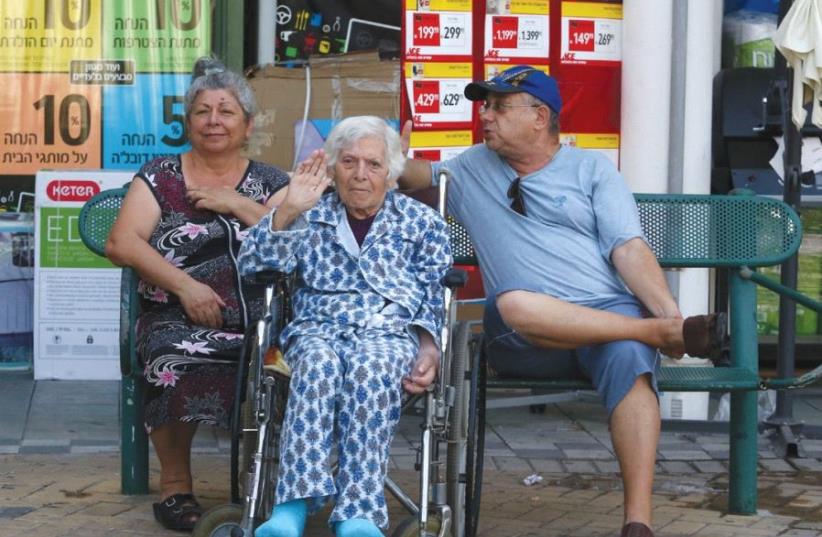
[{"x": 353, "y": 129}]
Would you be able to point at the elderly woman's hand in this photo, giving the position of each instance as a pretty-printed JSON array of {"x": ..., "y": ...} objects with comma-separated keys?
[
  {"x": 308, "y": 182},
  {"x": 202, "y": 304},
  {"x": 425, "y": 367}
]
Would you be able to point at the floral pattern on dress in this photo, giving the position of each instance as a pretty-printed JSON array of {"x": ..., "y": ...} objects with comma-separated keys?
[{"x": 190, "y": 369}]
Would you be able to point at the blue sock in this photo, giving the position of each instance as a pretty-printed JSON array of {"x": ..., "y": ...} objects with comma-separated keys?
[
  {"x": 287, "y": 520},
  {"x": 357, "y": 527}
]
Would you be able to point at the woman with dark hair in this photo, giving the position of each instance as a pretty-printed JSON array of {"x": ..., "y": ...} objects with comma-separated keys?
[{"x": 181, "y": 227}]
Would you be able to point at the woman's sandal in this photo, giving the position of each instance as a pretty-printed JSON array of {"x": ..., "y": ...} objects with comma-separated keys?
[
  {"x": 178, "y": 512},
  {"x": 706, "y": 336}
]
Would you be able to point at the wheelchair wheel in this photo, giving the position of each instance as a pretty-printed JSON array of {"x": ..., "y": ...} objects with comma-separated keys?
[
  {"x": 410, "y": 527},
  {"x": 219, "y": 521},
  {"x": 466, "y": 444}
]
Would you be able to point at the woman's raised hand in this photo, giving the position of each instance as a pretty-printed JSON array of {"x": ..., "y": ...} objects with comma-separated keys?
[{"x": 309, "y": 181}]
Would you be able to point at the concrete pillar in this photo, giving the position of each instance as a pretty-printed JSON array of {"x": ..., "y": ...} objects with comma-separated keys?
[{"x": 646, "y": 94}]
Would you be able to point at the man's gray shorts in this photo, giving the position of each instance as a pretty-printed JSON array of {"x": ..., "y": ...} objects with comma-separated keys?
[{"x": 611, "y": 367}]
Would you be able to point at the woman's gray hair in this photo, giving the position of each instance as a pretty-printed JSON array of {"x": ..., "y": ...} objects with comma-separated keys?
[
  {"x": 353, "y": 129},
  {"x": 211, "y": 74}
]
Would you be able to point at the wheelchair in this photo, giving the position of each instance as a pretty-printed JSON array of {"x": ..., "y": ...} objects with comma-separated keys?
[{"x": 449, "y": 457}]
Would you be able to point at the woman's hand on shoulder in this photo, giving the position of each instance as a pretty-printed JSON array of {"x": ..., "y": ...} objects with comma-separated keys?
[
  {"x": 202, "y": 304},
  {"x": 223, "y": 200}
]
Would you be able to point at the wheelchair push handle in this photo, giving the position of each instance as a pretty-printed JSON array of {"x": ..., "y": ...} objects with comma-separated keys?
[
  {"x": 455, "y": 278},
  {"x": 443, "y": 176}
]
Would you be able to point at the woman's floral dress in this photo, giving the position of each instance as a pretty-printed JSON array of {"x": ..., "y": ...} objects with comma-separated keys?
[{"x": 190, "y": 370}]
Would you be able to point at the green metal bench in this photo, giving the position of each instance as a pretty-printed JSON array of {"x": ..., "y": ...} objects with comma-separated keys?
[
  {"x": 95, "y": 221},
  {"x": 740, "y": 233}
]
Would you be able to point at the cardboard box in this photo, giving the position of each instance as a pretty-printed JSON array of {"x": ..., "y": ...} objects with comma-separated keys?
[{"x": 341, "y": 86}]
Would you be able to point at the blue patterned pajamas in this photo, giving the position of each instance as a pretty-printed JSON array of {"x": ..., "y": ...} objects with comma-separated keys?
[
  {"x": 352, "y": 381},
  {"x": 358, "y": 313}
]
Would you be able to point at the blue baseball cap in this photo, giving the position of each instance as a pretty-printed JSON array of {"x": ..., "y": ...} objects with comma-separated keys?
[{"x": 522, "y": 78}]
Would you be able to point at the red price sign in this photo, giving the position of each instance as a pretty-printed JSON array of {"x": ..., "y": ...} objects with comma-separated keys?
[
  {"x": 427, "y": 97},
  {"x": 581, "y": 35},
  {"x": 504, "y": 32},
  {"x": 426, "y": 29},
  {"x": 427, "y": 154}
]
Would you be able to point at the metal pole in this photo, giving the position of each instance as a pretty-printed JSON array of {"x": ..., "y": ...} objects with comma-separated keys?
[
  {"x": 266, "y": 31},
  {"x": 782, "y": 418}
]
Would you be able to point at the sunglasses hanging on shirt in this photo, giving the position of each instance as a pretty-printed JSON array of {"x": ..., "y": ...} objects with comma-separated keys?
[{"x": 515, "y": 195}]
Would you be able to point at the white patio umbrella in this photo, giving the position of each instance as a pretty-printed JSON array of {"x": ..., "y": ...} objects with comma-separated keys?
[{"x": 799, "y": 39}]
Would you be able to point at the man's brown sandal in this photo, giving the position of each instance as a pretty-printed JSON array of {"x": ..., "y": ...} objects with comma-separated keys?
[
  {"x": 178, "y": 512},
  {"x": 706, "y": 336}
]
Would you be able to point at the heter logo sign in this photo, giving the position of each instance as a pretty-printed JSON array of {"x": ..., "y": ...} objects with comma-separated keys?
[
  {"x": 426, "y": 97},
  {"x": 71, "y": 190}
]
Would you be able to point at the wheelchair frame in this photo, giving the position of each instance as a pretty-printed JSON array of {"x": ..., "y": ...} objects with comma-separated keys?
[{"x": 448, "y": 503}]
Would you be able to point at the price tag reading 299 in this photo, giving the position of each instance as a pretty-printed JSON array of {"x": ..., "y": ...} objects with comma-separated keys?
[{"x": 438, "y": 34}]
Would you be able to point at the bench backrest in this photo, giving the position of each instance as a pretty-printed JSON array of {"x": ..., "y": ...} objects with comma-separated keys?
[
  {"x": 97, "y": 216},
  {"x": 690, "y": 230}
]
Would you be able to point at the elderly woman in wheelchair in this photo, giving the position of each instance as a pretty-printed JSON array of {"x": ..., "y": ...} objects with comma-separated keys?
[{"x": 367, "y": 319}]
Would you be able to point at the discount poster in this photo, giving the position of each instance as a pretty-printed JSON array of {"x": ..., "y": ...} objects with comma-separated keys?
[{"x": 89, "y": 84}]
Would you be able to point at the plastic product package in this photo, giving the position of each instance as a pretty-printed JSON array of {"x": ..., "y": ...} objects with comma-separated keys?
[{"x": 747, "y": 39}]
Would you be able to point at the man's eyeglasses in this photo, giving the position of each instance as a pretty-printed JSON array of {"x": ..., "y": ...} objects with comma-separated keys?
[
  {"x": 515, "y": 195},
  {"x": 497, "y": 107}
]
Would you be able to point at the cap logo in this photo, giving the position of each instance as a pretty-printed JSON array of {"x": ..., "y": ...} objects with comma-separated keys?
[{"x": 516, "y": 79}]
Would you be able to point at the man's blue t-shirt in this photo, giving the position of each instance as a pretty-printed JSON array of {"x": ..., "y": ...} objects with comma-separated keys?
[{"x": 578, "y": 210}]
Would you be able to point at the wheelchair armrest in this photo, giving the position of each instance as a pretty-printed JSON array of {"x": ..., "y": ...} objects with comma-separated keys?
[
  {"x": 266, "y": 277},
  {"x": 455, "y": 278}
]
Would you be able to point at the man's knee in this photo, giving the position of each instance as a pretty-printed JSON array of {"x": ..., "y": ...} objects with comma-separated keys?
[{"x": 512, "y": 307}]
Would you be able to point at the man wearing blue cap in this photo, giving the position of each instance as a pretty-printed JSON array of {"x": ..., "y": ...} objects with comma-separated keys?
[{"x": 566, "y": 268}]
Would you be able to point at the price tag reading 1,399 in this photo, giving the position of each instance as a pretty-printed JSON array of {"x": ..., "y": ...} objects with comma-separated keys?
[
  {"x": 591, "y": 40},
  {"x": 439, "y": 103},
  {"x": 513, "y": 36},
  {"x": 438, "y": 34}
]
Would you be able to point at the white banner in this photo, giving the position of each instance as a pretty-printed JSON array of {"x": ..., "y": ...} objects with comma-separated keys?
[{"x": 77, "y": 293}]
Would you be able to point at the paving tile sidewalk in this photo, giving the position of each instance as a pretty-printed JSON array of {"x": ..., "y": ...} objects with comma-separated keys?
[
  {"x": 59, "y": 464},
  {"x": 78, "y": 495}
]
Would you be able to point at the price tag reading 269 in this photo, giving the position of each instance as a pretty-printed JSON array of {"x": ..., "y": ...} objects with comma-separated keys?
[
  {"x": 591, "y": 40},
  {"x": 434, "y": 34}
]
